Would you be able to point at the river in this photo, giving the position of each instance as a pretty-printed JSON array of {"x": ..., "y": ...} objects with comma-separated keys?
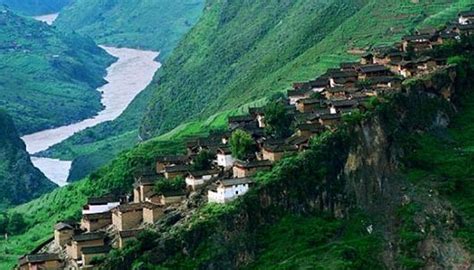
[
  {"x": 48, "y": 18},
  {"x": 126, "y": 78}
]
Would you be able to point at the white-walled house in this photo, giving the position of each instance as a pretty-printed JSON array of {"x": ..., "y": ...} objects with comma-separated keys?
[
  {"x": 100, "y": 205},
  {"x": 229, "y": 190},
  {"x": 224, "y": 158},
  {"x": 466, "y": 17},
  {"x": 198, "y": 178}
]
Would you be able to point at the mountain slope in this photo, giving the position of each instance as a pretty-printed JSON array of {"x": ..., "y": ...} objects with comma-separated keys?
[
  {"x": 35, "y": 7},
  {"x": 250, "y": 49},
  {"x": 49, "y": 78},
  {"x": 156, "y": 25},
  {"x": 243, "y": 51},
  {"x": 19, "y": 180}
]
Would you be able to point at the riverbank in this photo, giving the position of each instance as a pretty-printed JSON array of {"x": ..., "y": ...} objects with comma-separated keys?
[{"x": 126, "y": 78}]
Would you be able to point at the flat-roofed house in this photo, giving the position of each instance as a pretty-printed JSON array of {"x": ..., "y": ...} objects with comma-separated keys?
[
  {"x": 94, "y": 222},
  {"x": 172, "y": 172},
  {"x": 466, "y": 17},
  {"x": 224, "y": 158},
  {"x": 143, "y": 187},
  {"x": 229, "y": 190},
  {"x": 103, "y": 204},
  {"x": 170, "y": 160},
  {"x": 275, "y": 152},
  {"x": 168, "y": 197},
  {"x": 126, "y": 236},
  {"x": 243, "y": 169},
  {"x": 195, "y": 179},
  {"x": 296, "y": 95},
  {"x": 152, "y": 212},
  {"x": 63, "y": 232},
  {"x": 45, "y": 261},
  {"x": 127, "y": 216},
  {"x": 89, "y": 253},
  {"x": 80, "y": 241},
  {"x": 308, "y": 105},
  {"x": 366, "y": 72}
]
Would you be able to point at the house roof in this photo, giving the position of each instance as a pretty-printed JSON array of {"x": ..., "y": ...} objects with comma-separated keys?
[
  {"x": 253, "y": 164},
  {"x": 422, "y": 37},
  {"x": 314, "y": 128},
  {"x": 298, "y": 93},
  {"x": 149, "y": 205},
  {"x": 384, "y": 79},
  {"x": 372, "y": 68},
  {"x": 37, "y": 258},
  {"x": 344, "y": 103},
  {"x": 65, "y": 225},
  {"x": 102, "y": 200},
  {"x": 129, "y": 233},
  {"x": 349, "y": 65},
  {"x": 128, "y": 207},
  {"x": 342, "y": 74},
  {"x": 203, "y": 173},
  {"x": 297, "y": 140},
  {"x": 95, "y": 250},
  {"x": 147, "y": 179},
  {"x": 279, "y": 148},
  {"x": 330, "y": 116},
  {"x": 467, "y": 13},
  {"x": 105, "y": 215},
  {"x": 172, "y": 159},
  {"x": 234, "y": 182},
  {"x": 309, "y": 101},
  {"x": 88, "y": 236},
  {"x": 173, "y": 193},
  {"x": 178, "y": 168}
]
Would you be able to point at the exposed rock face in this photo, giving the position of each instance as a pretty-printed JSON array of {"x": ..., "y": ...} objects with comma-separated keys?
[
  {"x": 20, "y": 181},
  {"x": 356, "y": 167}
]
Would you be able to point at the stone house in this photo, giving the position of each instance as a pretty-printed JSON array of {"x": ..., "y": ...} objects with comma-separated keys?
[
  {"x": 418, "y": 43},
  {"x": 126, "y": 236},
  {"x": 224, "y": 158},
  {"x": 171, "y": 172},
  {"x": 103, "y": 204},
  {"x": 152, "y": 212},
  {"x": 276, "y": 152},
  {"x": 309, "y": 129},
  {"x": 243, "y": 169},
  {"x": 94, "y": 222},
  {"x": 296, "y": 95},
  {"x": 89, "y": 253},
  {"x": 466, "y": 17},
  {"x": 46, "y": 261},
  {"x": 168, "y": 197},
  {"x": 63, "y": 232},
  {"x": 308, "y": 105},
  {"x": 195, "y": 179},
  {"x": 171, "y": 160},
  {"x": 229, "y": 190},
  {"x": 143, "y": 187},
  {"x": 78, "y": 242},
  {"x": 330, "y": 120},
  {"x": 365, "y": 72},
  {"x": 236, "y": 122},
  {"x": 337, "y": 105},
  {"x": 127, "y": 216}
]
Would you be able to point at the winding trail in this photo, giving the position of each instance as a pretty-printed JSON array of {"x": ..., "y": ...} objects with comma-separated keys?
[{"x": 126, "y": 78}]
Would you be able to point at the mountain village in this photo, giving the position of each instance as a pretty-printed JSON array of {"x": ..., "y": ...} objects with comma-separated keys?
[{"x": 314, "y": 107}]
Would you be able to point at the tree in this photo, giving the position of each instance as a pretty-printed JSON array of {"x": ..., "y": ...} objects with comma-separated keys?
[
  {"x": 16, "y": 224},
  {"x": 277, "y": 120},
  {"x": 241, "y": 144},
  {"x": 164, "y": 185},
  {"x": 3, "y": 223},
  {"x": 203, "y": 161}
]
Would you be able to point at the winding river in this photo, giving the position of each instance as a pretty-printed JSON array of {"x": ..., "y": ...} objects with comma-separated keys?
[{"x": 126, "y": 78}]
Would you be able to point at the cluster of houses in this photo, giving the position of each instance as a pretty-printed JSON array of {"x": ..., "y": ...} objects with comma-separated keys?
[{"x": 314, "y": 106}]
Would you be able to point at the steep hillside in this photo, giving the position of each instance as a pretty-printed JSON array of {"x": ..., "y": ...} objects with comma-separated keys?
[
  {"x": 292, "y": 40},
  {"x": 19, "y": 180},
  {"x": 156, "y": 25},
  {"x": 48, "y": 78},
  {"x": 249, "y": 49},
  {"x": 35, "y": 7}
]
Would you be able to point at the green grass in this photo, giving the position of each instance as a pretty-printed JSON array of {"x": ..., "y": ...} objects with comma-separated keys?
[
  {"x": 443, "y": 161},
  {"x": 35, "y": 7},
  {"x": 156, "y": 25},
  {"x": 318, "y": 243},
  {"x": 48, "y": 78}
]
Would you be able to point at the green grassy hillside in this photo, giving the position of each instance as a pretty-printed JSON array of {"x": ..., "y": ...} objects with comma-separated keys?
[
  {"x": 35, "y": 7},
  {"x": 156, "y": 25},
  {"x": 48, "y": 78},
  {"x": 19, "y": 180},
  {"x": 247, "y": 51}
]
